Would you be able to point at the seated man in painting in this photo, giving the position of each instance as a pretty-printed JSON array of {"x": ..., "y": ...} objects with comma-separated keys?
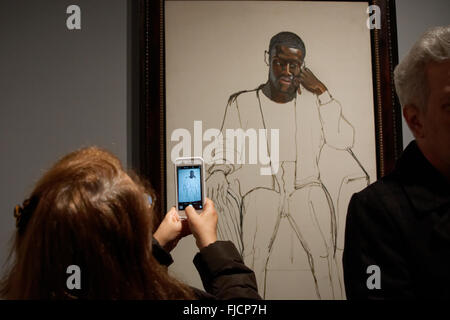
[{"x": 285, "y": 223}]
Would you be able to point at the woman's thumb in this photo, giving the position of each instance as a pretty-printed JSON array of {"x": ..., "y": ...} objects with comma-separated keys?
[{"x": 191, "y": 213}]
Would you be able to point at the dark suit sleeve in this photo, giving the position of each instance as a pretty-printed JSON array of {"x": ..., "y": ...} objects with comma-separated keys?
[
  {"x": 224, "y": 274},
  {"x": 373, "y": 238}
]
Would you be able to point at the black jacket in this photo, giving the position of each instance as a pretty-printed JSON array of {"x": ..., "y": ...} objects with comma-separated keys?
[
  {"x": 401, "y": 224},
  {"x": 223, "y": 273}
]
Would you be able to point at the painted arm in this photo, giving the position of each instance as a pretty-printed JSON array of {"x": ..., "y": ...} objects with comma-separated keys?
[
  {"x": 338, "y": 132},
  {"x": 227, "y": 202},
  {"x": 224, "y": 159}
]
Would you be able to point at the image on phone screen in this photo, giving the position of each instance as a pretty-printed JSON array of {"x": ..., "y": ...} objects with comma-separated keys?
[{"x": 190, "y": 189}]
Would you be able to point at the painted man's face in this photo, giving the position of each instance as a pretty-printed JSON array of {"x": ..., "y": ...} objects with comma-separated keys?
[{"x": 285, "y": 68}]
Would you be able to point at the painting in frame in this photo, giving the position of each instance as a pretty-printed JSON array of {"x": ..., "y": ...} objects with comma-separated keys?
[{"x": 292, "y": 106}]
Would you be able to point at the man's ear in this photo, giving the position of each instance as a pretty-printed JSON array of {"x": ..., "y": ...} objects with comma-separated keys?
[
  {"x": 266, "y": 57},
  {"x": 414, "y": 118}
]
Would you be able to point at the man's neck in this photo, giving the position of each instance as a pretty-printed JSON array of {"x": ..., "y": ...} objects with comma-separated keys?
[{"x": 275, "y": 95}]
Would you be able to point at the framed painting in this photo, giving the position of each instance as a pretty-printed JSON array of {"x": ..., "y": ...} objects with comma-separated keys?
[{"x": 292, "y": 106}]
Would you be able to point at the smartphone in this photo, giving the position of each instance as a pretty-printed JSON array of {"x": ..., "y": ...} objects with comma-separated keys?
[{"x": 189, "y": 184}]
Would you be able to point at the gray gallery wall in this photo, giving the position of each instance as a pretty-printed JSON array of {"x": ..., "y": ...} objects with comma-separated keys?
[{"x": 61, "y": 89}]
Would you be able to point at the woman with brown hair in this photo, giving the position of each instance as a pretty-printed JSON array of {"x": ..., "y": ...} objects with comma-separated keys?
[{"x": 87, "y": 211}]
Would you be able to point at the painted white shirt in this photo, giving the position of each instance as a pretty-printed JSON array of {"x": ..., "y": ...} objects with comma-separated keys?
[{"x": 281, "y": 116}]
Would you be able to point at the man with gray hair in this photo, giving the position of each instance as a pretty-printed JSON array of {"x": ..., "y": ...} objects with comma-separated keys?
[{"x": 397, "y": 239}]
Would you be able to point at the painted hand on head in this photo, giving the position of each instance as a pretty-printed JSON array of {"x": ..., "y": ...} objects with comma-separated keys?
[{"x": 311, "y": 83}]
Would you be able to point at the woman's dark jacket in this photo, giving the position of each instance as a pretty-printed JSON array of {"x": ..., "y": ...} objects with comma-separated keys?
[{"x": 224, "y": 275}]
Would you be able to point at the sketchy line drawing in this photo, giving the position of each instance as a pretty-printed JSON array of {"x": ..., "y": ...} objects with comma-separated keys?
[{"x": 289, "y": 221}]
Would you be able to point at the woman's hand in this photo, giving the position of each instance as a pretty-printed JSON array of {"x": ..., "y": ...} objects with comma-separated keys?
[
  {"x": 171, "y": 230},
  {"x": 204, "y": 225}
]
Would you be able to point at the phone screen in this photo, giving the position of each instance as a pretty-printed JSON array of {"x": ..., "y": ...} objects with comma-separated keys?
[{"x": 190, "y": 187}]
